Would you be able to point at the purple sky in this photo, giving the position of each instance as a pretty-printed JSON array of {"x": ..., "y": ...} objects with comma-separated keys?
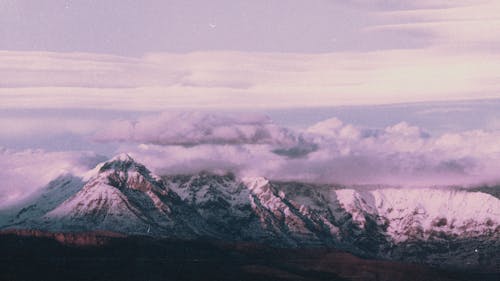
[
  {"x": 121, "y": 55},
  {"x": 264, "y": 54},
  {"x": 130, "y": 56},
  {"x": 137, "y": 27}
]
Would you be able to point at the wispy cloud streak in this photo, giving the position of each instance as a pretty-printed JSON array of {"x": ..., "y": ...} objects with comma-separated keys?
[{"x": 243, "y": 80}]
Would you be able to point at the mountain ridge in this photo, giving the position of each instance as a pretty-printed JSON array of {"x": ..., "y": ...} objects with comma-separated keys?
[{"x": 122, "y": 195}]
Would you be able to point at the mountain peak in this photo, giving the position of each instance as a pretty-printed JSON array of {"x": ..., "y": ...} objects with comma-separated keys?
[
  {"x": 121, "y": 162},
  {"x": 255, "y": 183},
  {"x": 122, "y": 171},
  {"x": 122, "y": 157}
]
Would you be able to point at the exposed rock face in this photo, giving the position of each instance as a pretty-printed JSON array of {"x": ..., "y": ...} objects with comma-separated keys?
[{"x": 438, "y": 226}]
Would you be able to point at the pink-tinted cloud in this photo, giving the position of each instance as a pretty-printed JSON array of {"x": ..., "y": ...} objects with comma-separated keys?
[
  {"x": 232, "y": 80},
  {"x": 457, "y": 25},
  {"x": 195, "y": 128},
  {"x": 24, "y": 172},
  {"x": 330, "y": 151}
]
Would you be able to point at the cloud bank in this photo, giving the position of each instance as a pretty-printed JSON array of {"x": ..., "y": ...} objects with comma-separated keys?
[
  {"x": 195, "y": 128},
  {"x": 329, "y": 151}
]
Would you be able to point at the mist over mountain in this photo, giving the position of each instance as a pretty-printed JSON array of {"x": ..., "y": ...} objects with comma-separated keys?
[
  {"x": 447, "y": 228},
  {"x": 329, "y": 151}
]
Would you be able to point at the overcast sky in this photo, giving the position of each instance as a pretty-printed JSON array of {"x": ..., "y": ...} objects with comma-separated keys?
[
  {"x": 128, "y": 27},
  {"x": 136, "y": 27},
  {"x": 246, "y": 54}
]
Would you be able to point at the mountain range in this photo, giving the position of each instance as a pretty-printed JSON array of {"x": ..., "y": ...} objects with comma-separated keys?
[{"x": 445, "y": 227}]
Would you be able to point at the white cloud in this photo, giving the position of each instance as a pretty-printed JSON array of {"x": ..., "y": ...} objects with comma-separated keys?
[
  {"x": 24, "y": 172},
  {"x": 240, "y": 159},
  {"x": 195, "y": 128},
  {"x": 329, "y": 151},
  {"x": 408, "y": 155}
]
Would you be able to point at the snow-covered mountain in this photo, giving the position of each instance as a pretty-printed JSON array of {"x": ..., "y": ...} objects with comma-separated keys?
[
  {"x": 438, "y": 226},
  {"x": 121, "y": 195}
]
